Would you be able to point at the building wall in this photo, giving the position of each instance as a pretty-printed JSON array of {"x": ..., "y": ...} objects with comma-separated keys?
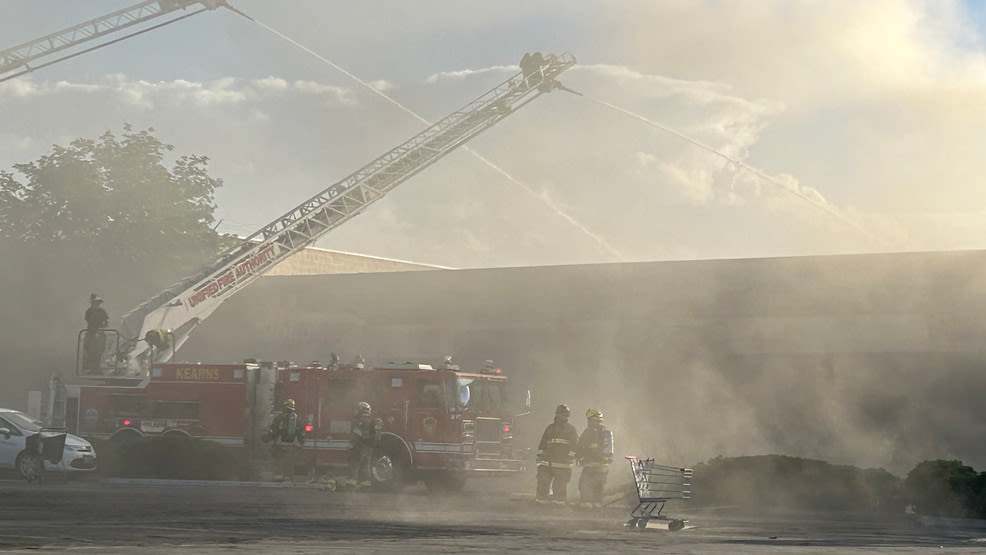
[
  {"x": 873, "y": 360},
  {"x": 314, "y": 261}
]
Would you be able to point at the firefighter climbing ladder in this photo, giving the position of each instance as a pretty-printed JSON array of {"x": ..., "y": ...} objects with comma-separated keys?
[{"x": 184, "y": 305}]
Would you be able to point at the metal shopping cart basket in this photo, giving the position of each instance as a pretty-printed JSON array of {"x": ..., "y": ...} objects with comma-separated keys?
[{"x": 656, "y": 485}]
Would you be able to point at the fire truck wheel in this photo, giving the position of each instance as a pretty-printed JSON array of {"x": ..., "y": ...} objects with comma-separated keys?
[
  {"x": 127, "y": 436},
  {"x": 389, "y": 471}
]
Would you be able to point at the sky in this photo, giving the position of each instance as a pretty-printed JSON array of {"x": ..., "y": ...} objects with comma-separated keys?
[{"x": 707, "y": 129}]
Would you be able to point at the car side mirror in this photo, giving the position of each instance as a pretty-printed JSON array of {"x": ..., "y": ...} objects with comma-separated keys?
[{"x": 5, "y": 432}]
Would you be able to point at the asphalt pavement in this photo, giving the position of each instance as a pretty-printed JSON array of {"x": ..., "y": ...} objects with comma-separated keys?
[{"x": 148, "y": 516}]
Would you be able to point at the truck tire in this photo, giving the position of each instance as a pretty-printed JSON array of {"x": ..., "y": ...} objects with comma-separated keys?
[
  {"x": 389, "y": 470},
  {"x": 126, "y": 436}
]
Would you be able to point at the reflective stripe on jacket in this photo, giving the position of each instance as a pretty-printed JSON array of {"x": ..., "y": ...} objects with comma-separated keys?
[
  {"x": 364, "y": 432},
  {"x": 595, "y": 447},
  {"x": 285, "y": 428},
  {"x": 557, "y": 446}
]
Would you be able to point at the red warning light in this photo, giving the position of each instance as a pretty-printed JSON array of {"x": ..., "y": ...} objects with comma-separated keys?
[
  {"x": 126, "y": 422},
  {"x": 309, "y": 427},
  {"x": 506, "y": 427},
  {"x": 498, "y": 371}
]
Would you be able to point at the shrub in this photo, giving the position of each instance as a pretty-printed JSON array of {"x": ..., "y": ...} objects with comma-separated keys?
[
  {"x": 777, "y": 481},
  {"x": 169, "y": 457},
  {"x": 946, "y": 488}
]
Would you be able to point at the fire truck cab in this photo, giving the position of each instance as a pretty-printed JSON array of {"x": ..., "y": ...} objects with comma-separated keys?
[{"x": 440, "y": 425}]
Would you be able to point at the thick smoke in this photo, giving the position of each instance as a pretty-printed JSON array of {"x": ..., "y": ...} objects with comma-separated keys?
[{"x": 861, "y": 360}]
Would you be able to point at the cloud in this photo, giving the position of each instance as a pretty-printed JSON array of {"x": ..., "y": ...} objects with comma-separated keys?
[
  {"x": 783, "y": 129},
  {"x": 467, "y": 73},
  {"x": 381, "y": 85}
]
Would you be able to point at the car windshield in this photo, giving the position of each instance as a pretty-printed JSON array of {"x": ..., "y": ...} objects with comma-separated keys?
[{"x": 22, "y": 421}]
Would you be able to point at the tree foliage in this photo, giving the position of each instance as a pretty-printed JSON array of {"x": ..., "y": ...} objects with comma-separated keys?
[
  {"x": 114, "y": 194},
  {"x": 947, "y": 488},
  {"x": 118, "y": 215}
]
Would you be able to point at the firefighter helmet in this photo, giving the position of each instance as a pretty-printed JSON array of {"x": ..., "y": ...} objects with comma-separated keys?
[
  {"x": 562, "y": 410},
  {"x": 364, "y": 408},
  {"x": 594, "y": 414},
  {"x": 288, "y": 405}
]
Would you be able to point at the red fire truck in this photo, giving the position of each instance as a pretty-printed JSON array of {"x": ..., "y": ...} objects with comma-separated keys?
[{"x": 440, "y": 424}]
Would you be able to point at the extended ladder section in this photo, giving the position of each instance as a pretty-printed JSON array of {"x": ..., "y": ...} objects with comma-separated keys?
[
  {"x": 23, "y": 55},
  {"x": 181, "y": 307}
]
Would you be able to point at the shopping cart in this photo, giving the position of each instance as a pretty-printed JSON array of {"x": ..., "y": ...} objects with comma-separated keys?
[{"x": 656, "y": 485}]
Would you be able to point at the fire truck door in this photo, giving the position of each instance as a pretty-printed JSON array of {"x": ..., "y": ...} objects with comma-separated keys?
[
  {"x": 428, "y": 421},
  {"x": 392, "y": 402},
  {"x": 337, "y": 406}
]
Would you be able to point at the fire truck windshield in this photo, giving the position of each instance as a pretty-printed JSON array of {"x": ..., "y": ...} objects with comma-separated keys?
[{"x": 480, "y": 395}]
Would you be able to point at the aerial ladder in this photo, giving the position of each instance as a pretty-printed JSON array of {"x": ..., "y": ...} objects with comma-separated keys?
[
  {"x": 41, "y": 52},
  {"x": 156, "y": 328}
]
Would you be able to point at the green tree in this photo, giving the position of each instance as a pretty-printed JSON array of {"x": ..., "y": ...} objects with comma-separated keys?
[
  {"x": 112, "y": 194},
  {"x": 944, "y": 488},
  {"x": 107, "y": 215}
]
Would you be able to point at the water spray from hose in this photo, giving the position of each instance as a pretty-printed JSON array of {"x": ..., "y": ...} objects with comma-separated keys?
[
  {"x": 542, "y": 197},
  {"x": 819, "y": 203}
]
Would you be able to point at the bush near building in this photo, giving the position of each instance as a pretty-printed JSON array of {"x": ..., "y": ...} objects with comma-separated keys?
[
  {"x": 946, "y": 488},
  {"x": 177, "y": 458},
  {"x": 783, "y": 482}
]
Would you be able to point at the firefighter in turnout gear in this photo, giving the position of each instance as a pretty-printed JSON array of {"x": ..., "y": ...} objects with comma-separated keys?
[
  {"x": 556, "y": 451},
  {"x": 286, "y": 436},
  {"x": 595, "y": 453},
  {"x": 158, "y": 339},
  {"x": 94, "y": 341},
  {"x": 364, "y": 437}
]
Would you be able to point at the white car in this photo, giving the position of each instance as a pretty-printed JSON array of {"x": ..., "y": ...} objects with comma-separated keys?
[{"x": 15, "y": 426}]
